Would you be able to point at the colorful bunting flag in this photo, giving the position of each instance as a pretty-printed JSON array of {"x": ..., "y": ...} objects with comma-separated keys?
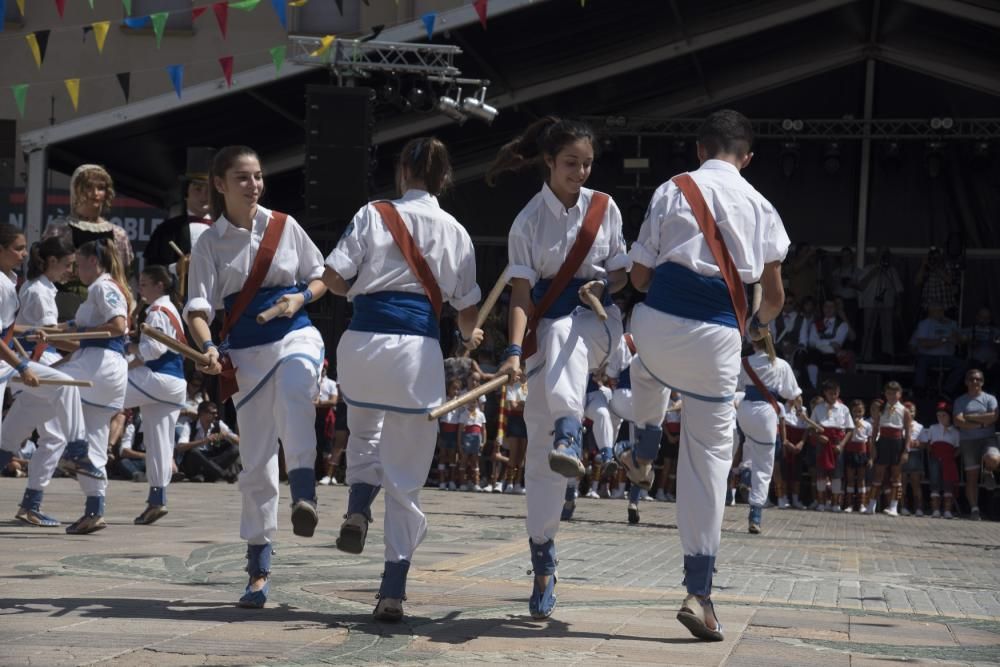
[
  {"x": 221, "y": 10},
  {"x": 125, "y": 83},
  {"x": 297, "y": 3},
  {"x": 136, "y": 22},
  {"x": 91, "y": 5},
  {"x": 245, "y": 5},
  {"x": 480, "y": 6},
  {"x": 20, "y": 91},
  {"x": 197, "y": 11},
  {"x": 277, "y": 57},
  {"x": 100, "y": 29},
  {"x": 159, "y": 20},
  {"x": 73, "y": 88},
  {"x": 324, "y": 46},
  {"x": 38, "y": 41},
  {"x": 281, "y": 11},
  {"x": 60, "y": 7},
  {"x": 227, "y": 69},
  {"x": 128, "y": 7},
  {"x": 428, "y": 20},
  {"x": 176, "y": 73},
  {"x": 20, "y": 6}
]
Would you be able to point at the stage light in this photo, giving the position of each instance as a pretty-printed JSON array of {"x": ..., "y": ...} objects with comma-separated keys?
[
  {"x": 831, "y": 158},
  {"x": 449, "y": 107},
  {"x": 421, "y": 98},
  {"x": 789, "y": 158},
  {"x": 792, "y": 125},
  {"x": 478, "y": 108},
  {"x": 945, "y": 123}
]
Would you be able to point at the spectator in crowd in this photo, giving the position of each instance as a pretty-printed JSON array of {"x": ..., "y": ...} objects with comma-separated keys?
[
  {"x": 18, "y": 465},
  {"x": 825, "y": 340},
  {"x": 326, "y": 401},
  {"x": 799, "y": 270},
  {"x": 132, "y": 454},
  {"x": 934, "y": 343},
  {"x": 937, "y": 282},
  {"x": 844, "y": 284},
  {"x": 196, "y": 395},
  {"x": 913, "y": 465},
  {"x": 787, "y": 328},
  {"x": 212, "y": 448},
  {"x": 983, "y": 339},
  {"x": 880, "y": 287},
  {"x": 975, "y": 415},
  {"x": 942, "y": 440}
]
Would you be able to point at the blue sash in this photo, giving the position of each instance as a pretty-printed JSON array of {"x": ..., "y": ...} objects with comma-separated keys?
[
  {"x": 247, "y": 333},
  {"x": 401, "y": 313},
  {"x": 677, "y": 290},
  {"x": 168, "y": 363},
  {"x": 567, "y": 301},
  {"x": 625, "y": 379},
  {"x": 117, "y": 344},
  {"x": 753, "y": 394}
]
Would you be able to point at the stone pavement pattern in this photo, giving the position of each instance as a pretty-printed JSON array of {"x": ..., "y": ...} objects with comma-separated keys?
[{"x": 815, "y": 589}]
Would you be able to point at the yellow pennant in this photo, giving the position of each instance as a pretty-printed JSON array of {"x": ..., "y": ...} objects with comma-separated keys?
[
  {"x": 73, "y": 88},
  {"x": 20, "y": 6},
  {"x": 293, "y": 3},
  {"x": 325, "y": 45},
  {"x": 33, "y": 45},
  {"x": 101, "y": 33}
]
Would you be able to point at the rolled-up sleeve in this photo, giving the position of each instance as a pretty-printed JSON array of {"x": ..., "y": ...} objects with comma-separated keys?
[
  {"x": 618, "y": 257},
  {"x": 347, "y": 258},
  {"x": 150, "y": 349},
  {"x": 467, "y": 292},
  {"x": 310, "y": 258},
  {"x": 776, "y": 239},
  {"x": 519, "y": 254},
  {"x": 202, "y": 280}
]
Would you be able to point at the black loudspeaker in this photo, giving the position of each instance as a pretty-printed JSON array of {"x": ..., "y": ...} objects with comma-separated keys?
[
  {"x": 865, "y": 386},
  {"x": 8, "y": 152},
  {"x": 339, "y": 124}
]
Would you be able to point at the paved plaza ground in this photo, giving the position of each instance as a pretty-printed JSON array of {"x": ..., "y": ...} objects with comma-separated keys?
[{"x": 815, "y": 589}]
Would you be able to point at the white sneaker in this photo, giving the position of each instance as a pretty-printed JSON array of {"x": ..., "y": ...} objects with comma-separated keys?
[
  {"x": 837, "y": 509},
  {"x": 890, "y": 511},
  {"x": 496, "y": 488},
  {"x": 872, "y": 506},
  {"x": 479, "y": 489},
  {"x": 797, "y": 504},
  {"x": 936, "y": 514},
  {"x": 918, "y": 513},
  {"x": 452, "y": 487},
  {"x": 507, "y": 488},
  {"x": 518, "y": 490},
  {"x": 592, "y": 494},
  {"x": 661, "y": 495},
  {"x": 333, "y": 481},
  {"x": 443, "y": 486},
  {"x": 904, "y": 512},
  {"x": 464, "y": 487},
  {"x": 324, "y": 481},
  {"x": 783, "y": 503},
  {"x": 848, "y": 509},
  {"x": 864, "y": 509},
  {"x": 948, "y": 515},
  {"x": 820, "y": 508},
  {"x": 618, "y": 494}
]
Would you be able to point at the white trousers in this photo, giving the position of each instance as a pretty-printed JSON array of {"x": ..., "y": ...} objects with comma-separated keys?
[
  {"x": 759, "y": 424},
  {"x": 278, "y": 382},
  {"x": 57, "y": 415},
  {"x": 605, "y": 423},
  {"x": 569, "y": 349},
  {"x": 159, "y": 397},
  {"x": 703, "y": 363}
]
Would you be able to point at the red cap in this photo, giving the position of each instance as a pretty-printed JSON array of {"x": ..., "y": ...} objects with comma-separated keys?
[{"x": 943, "y": 406}]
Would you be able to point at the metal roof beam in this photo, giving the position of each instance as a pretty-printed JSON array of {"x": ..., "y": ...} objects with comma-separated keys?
[
  {"x": 962, "y": 10},
  {"x": 936, "y": 67}
]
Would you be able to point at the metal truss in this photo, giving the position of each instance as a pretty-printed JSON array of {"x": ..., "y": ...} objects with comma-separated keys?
[
  {"x": 927, "y": 129},
  {"x": 353, "y": 57}
]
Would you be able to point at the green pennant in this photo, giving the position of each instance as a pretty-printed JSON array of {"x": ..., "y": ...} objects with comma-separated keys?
[
  {"x": 20, "y": 91},
  {"x": 91, "y": 5},
  {"x": 159, "y": 20},
  {"x": 245, "y": 5},
  {"x": 277, "y": 57},
  {"x": 128, "y": 7}
]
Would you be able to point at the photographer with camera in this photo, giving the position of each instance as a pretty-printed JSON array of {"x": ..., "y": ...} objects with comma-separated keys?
[
  {"x": 937, "y": 282},
  {"x": 880, "y": 287}
]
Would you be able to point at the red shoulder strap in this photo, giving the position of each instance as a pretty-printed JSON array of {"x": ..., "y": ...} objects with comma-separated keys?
[
  {"x": 577, "y": 253},
  {"x": 717, "y": 244},
  {"x": 760, "y": 385},
  {"x": 411, "y": 253},
  {"x": 174, "y": 322},
  {"x": 629, "y": 342},
  {"x": 261, "y": 264}
]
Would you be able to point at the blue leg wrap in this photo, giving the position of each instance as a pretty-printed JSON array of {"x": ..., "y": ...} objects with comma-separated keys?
[
  {"x": 569, "y": 432},
  {"x": 258, "y": 565},
  {"x": 543, "y": 557},
  {"x": 32, "y": 499},
  {"x": 633, "y": 493},
  {"x": 543, "y": 562},
  {"x": 360, "y": 499},
  {"x": 756, "y": 512},
  {"x": 569, "y": 507},
  {"x": 607, "y": 455},
  {"x": 302, "y": 482},
  {"x": 571, "y": 492},
  {"x": 648, "y": 444},
  {"x": 394, "y": 580},
  {"x": 698, "y": 574},
  {"x": 94, "y": 506},
  {"x": 157, "y": 496}
]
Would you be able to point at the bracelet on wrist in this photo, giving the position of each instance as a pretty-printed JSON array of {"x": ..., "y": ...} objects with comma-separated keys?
[
  {"x": 21, "y": 367},
  {"x": 307, "y": 295},
  {"x": 208, "y": 344},
  {"x": 511, "y": 351}
]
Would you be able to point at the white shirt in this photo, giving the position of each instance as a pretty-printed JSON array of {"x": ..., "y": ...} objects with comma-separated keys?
[
  {"x": 516, "y": 392},
  {"x": 38, "y": 303},
  {"x": 862, "y": 433},
  {"x": 105, "y": 301},
  {"x": 367, "y": 251},
  {"x": 839, "y": 416},
  {"x": 778, "y": 376},
  {"x": 150, "y": 349},
  {"x": 327, "y": 389},
  {"x": 453, "y": 417},
  {"x": 937, "y": 433},
  {"x": 128, "y": 439},
  {"x": 221, "y": 261},
  {"x": 8, "y": 298},
  {"x": 545, "y": 230},
  {"x": 916, "y": 428},
  {"x": 476, "y": 418},
  {"x": 795, "y": 420},
  {"x": 831, "y": 333},
  {"x": 750, "y": 225},
  {"x": 892, "y": 416}
]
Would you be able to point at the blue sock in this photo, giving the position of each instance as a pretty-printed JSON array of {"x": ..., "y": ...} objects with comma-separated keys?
[{"x": 302, "y": 482}]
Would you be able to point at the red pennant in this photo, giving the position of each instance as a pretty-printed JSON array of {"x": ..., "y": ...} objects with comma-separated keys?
[
  {"x": 227, "y": 69},
  {"x": 197, "y": 11},
  {"x": 60, "y": 7},
  {"x": 480, "y": 6},
  {"x": 221, "y": 10}
]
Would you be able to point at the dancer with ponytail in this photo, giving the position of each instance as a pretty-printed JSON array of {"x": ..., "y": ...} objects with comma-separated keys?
[
  {"x": 51, "y": 261},
  {"x": 565, "y": 248}
]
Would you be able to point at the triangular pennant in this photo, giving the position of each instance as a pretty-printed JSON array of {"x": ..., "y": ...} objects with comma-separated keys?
[
  {"x": 60, "y": 7},
  {"x": 101, "y": 33},
  {"x": 125, "y": 83},
  {"x": 197, "y": 11},
  {"x": 73, "y": 88},
  {"x": 136, "y": 22},
  {"x": 221, "y": 10},
  {"x": 297, "y": 3},
  {"x": 245, "y": 5},
  {"x": 280, "y": 8},
  {"x": 428, "y": 20},
  {"x": 480, "y": 6},
  {"x": 324, "y": 46},
  {"x": 20, "y": 6},
  {"x": 277, "y": 57},
  {"x": 91, "y": 5},
  {"x": 176, "y": 73},
  {"x": 20, "y": 91},
  {"x": 340, "y": 6},
  {"x": 38, "y": 41},
  {"x": 128, "y": 7},
  {"x": 159, "y": 20},
  {"x": 227, "y": 69}
]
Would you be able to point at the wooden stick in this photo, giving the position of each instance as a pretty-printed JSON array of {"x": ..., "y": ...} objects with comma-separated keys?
[
  {"x": 175, "y": 345},
  {"x": 274, "y": 311},
  {"x": 58, "y": 383},
  {"x": 20, "y": 348},
  {"x": 79, "y": 335},
  {"x": 469, "y": 396},
  {"x": 177, "y": 249},
  {"x": 595, "y": 305},
  {"x": 491, "y": 299}
]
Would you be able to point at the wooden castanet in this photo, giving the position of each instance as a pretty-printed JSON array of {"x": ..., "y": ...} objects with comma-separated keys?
[
  {"x": 595, "y": 305},
  {"x": 469, "y": 396},
  {"x": 173, "y": 344},
  {"x": 274, "y": 311},
  {"x": 58, "y": 383}
]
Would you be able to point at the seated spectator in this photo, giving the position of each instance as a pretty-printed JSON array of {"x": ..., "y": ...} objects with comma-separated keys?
[
  {"x": 787, "y": 328},
  {"x": 18, "y": 465},
  {"x": 196, "y": 395},
  {"x": 824, "y": 341},
  {"x": 975, "y": 415},
  {"x": 211, "y": 449},
  {"x": 132, "y": 454},
  {"x": 983, "y": 339},
  {"x": 934, "y": 343}
]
